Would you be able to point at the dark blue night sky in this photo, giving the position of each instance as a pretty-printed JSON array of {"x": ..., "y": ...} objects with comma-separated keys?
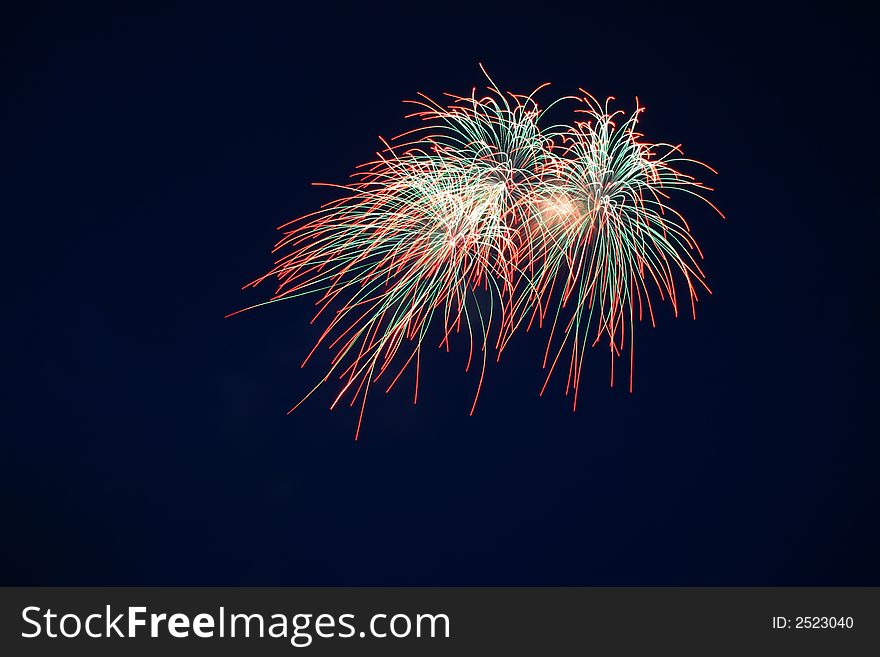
[{"x": 147, "y": 161}]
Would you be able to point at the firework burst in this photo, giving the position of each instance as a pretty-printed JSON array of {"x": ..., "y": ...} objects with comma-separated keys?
[
  {"x": 611, "y": 237},
  {"x": 482, "y": 217}
]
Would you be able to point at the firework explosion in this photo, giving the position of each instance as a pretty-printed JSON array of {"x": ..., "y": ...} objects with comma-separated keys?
[{"x": 481, "y": 220}]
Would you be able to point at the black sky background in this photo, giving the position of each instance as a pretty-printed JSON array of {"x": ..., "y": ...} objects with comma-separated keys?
[{"x": 149, "y": 156}]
